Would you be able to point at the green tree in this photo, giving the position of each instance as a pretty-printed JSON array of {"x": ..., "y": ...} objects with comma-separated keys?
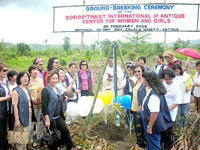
[
  {"x": 88, "y": 55},
  {"x": 93, "y": 46},
  {"x": 138, "y": 40},
  {"x": 23, "y": 49},
  {"x": 125, "y": 47},
  {"x": 106, "y": 46},
  {"x": 46, "y": 42},
  {"x": 66, "y": 44},
  {"x": 181, "y": 44}
]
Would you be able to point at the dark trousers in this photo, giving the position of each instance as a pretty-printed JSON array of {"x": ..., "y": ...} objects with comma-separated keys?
[
  {"x": 11, "y": 121},
  {"x": 166, "y": 138},
  {"x": 3, "y": 134},
  {"x": 86, "y": 93},
  {"x": 139, "y": 130},
  {"x": 60, "y": 125}
]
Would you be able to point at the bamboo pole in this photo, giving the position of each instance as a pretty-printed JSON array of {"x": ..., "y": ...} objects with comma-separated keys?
[
  {"x": 96, "y": 93},
  {"x": 122, "y": 60}
]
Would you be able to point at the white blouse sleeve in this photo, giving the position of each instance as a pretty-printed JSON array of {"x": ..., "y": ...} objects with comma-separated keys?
[{"x": 154, "y": 103}]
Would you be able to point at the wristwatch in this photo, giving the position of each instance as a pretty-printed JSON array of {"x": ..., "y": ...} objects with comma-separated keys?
[{"x": 149, "y": 127}]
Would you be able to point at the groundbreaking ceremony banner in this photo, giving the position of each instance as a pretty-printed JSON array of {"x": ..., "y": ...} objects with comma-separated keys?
[{"x": 127, "y": 18}]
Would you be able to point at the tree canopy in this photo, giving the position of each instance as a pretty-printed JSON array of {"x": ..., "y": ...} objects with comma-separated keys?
[{"x": 66, "y": 44}]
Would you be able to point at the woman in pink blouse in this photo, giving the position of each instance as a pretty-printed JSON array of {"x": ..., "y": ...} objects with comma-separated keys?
[{"x": 86, "y": 80}]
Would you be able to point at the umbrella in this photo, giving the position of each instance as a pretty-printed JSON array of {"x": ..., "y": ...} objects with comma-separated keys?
[{"x": 189, "y": 52}]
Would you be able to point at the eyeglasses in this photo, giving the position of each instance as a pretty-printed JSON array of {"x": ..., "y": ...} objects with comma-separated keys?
[
  {"x": 5, "y": 70},
  {"x": 40, "y": 64},
  {"x": 137, "y": 71},
  {"x": 83, "y": 64}
]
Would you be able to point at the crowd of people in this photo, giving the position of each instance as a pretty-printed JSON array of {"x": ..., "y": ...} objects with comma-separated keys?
[{"x": 37, "y": 99}]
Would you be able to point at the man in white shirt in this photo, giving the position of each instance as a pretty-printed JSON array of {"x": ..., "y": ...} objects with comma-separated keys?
[{"x": 108, "y": 77}]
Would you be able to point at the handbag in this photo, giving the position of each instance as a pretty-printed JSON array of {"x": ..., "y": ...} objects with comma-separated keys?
[
  {"x": 18, "y": 137},
  {"x": 52, "y": 137}
]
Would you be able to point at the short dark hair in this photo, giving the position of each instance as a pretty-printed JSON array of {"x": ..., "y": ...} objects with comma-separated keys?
[
  {"x": 10, "y": 74},
  {"x": 50, "y": 74},
  {"x": 143, "y": 58},
  {"x": 32, "y": 67},
  {"x": 154, "y": 82},
  {"x": 71, "y": 64},
  {"x": 50, "y": 62},
  {"x": 169, "y": 72},
  {"x": 177, "y": 66},
  {"x": 21, "y": 74},
  {"x": 198, "y": 62},
  {"x": 82, "y": 62},
  {"x": 140, "y": 66},
  {"x": 160, "y": 56}
]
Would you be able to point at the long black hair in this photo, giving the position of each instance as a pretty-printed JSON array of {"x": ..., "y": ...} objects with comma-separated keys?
[
  {"x": 50, "y": 62},
  {"x": 154, "y": 82}
]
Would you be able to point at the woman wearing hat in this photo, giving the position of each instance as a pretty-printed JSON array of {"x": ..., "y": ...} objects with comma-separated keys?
[{"x": 171, "y": 59}]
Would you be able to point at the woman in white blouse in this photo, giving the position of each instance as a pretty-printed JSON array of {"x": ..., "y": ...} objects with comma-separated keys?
[
  {"x": 173, "y": 98},
  {"x": 181, "y": 78}
]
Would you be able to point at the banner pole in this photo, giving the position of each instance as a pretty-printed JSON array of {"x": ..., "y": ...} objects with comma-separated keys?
[{"x": 82, "y": 38}]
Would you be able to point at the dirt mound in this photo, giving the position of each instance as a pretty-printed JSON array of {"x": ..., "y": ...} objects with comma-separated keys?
[{"x": 109, "y": 131}]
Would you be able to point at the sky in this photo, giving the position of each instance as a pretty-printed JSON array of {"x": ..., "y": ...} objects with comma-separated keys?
[{"x": 31, "y": 21}]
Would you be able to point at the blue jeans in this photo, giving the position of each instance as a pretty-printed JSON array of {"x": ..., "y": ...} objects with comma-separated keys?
[{"x": 182, "y": 118}]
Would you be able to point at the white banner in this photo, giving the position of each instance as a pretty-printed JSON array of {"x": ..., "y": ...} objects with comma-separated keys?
[{"x": 126, "y": 18}]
